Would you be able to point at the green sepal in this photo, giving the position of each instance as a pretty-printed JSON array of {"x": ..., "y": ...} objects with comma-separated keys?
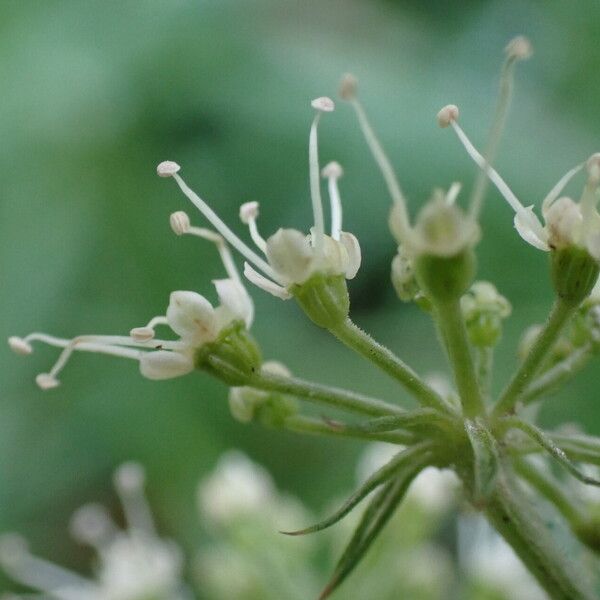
[
  {"x": 444, "y": 279},
  {"x": 376, "y": 515},
  {"x": 401, "y": 460},
  {"x": 547, "y": 444},
  {"x": 574, "y": 273},
  {"x": 324, "y": 298},
  {"x": 233, "y": 357},
  {"x": 485, "y": 461}
]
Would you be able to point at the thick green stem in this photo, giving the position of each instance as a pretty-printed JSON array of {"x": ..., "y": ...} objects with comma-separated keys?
[
  {"x": 322, "y": 394},
  {"x": 520, "y": 525},
  {"x": 355, "y": 338},
  {"x": 452, "y": 326},
  {"x": 311, "y": 426},
  {"x": 559, "y": 315},
  {"x": 558, "y": 374}
]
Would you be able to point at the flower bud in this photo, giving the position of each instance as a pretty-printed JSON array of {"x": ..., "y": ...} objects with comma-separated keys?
[
  {"x": 233, "y": 357},
  {"x": 403, "y": 276},
  {"x": 484, "y": 309},
  {"x": 574, "y": 274},
  {"x": 269, "y": 408},
  {"x": 324, "y": 299}
]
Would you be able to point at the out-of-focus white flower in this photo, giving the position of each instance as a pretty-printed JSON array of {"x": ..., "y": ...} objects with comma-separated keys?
[
  {"x": 189, "y": 315},
  {"x": 132, "y": 564},
  {"x": 237, "y": 487},
  {"x": 292, "y": 257},
  {"x": 486, "y": 557}
]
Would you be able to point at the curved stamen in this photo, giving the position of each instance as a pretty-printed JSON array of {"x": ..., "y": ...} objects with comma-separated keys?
[
  {"x": 265, "y": 284},
  {"x": 248, "y": 215},
  {"x": 554, "y": 193},
  {"x": 320, "y": 105},
  {"x": 222, "y": 247},
  {"x": 220, "y": 226},
  {"x": 348, "y": 92},
  {"x": 332, "y": 172}
]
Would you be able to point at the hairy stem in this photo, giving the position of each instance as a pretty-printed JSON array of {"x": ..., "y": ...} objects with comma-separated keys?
[
  {"x": 561, "y": 311},
  {"x": 323, "y": 394},
  {"x": 520, "y": 525},
  {"x": 451, "y": 324},
  {"x": 484, "y": 362},
  {"x": 558, "y": 374},
  {"x": 355, "y": 338},
  {"x": 308, "y": 425}
]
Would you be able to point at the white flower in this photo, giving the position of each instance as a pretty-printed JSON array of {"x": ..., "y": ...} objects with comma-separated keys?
[
  {"x": 189, "y": 315},
  {"x": 566, "y": 223},
  {"x": 292, "y": 257},
  {"x": 131, "y": 564},
  {"x": 237, "y": 487}
]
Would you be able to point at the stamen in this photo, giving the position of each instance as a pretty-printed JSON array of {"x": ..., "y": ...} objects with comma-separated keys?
[
  {"x": 180, "y": 222},
  {"x": 265, "y": 284},
  {"x": 332, "y": 172},
  {"x": 146, "y": 333},
  {"x": 222, "y": 247},
  {"x": 555, "y": 192},
  {"x": 218, "y": 224},
  {"x": 129, "y": 482},
  {"x": 19, "y": 345},
  {"x": 452, "y": 193},
  {"x": 111, "y": 345},
  {"x": 248, "y": 215},
  {"x": 320, "y": 105},
  {"x": 348, "y": 90},
  {"x": 517, "y": 49},
  {"x": 38, "y": 573}
]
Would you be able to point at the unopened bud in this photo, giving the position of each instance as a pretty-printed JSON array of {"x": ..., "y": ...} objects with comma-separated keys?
[
  {"x": 167, "y": 168},
  {"x": 348, "y": 86},
  {"x": 180, "y": 222},
  {"x": 323, "y": 104},
  {"x": 448, "y": 114}
]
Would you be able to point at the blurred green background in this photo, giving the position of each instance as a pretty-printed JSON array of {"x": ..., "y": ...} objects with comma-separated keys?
[{"x": 95, "y": 94}]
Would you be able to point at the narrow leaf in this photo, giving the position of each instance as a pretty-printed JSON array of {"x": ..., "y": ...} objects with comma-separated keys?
[
  {"x": 485, "y": 462},
  {"x": 378, "y": 478},
  {"x": 547, "y": 444},
  {"x": 378, "y": 513}
]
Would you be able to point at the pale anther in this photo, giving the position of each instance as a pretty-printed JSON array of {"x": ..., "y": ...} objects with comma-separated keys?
[
  {"x": 519, "y": 48},
  {"x": 167, "y": 168},
  {"x": 348, "y": 86},
  {"x": 19, "y": 345},
  {"x": 180, "y": 222},
  {"x": 323, "y": 104},
  {"x": 447, "y": 115},
  {"x": 248, "y": 212}
]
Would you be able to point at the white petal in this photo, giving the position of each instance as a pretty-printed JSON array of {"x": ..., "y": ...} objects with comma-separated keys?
[
  {"x": 234, "y": 297},
  {"x": 265, "y": 284},
  {"x": 163, "y": 364},
  {"x": 350, "y": 242},
  {"x": 530, "y": 228},
  {"x": 563, "y": 223},
  {"x": 192, "y": 317},
  {"x": 290, "y": 254}
]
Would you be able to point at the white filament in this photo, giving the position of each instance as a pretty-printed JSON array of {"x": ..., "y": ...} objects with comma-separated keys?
[{"x": 315, "y": 186}]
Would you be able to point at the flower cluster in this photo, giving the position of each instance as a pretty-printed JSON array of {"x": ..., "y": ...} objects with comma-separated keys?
[{"x": 132, "y": 564}]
